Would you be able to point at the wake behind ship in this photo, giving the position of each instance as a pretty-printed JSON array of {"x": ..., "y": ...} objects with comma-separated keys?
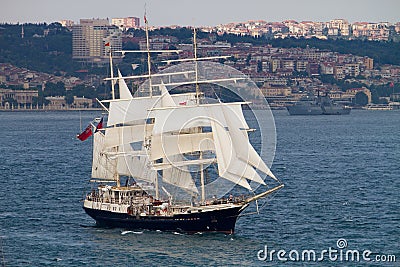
[{"x": 177, "y": 157}]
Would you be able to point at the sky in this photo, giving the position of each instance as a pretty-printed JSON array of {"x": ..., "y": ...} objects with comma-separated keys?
[{"x": 200, "y": 12}]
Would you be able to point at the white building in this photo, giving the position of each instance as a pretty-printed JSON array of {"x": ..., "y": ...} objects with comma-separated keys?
[{"x": 126, "y": 23}]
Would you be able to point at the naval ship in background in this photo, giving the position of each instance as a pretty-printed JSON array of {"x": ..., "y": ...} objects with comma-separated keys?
[{"x": 317, "y": 105}]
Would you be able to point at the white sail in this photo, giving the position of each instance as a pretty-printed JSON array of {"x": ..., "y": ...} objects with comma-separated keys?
[
  {"x": 123, "y": 111},
  {"x": 129, "y": 164},
  {"x": 103, "y": 166},
  {"x": 176, "y": 164},
  {"x": 245, "y": 170},
  {"x": 167, "y": 145},
  {"x": 236, "y": 112},
  {"x": 245, "y": 151},
  {"x": 226, "y": 156},
  {"x": 178, "y": 121},
  {"x": 124, "y": 92},
  {"x": 115, "y": 136},
  {"x": 239, "y": 180},
  {"x": 166, "y": 98},
  {"x": 179, "y": 177},
  {"x": 177, "y": 118},
  {"x": 231, "y": 165}
]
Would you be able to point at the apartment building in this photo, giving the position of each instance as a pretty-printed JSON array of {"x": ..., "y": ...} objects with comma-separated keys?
[
  {"x": 339, "y": 27},
  {"x": 126, "y": 23},
  {"x": 380, "y": 31},
  {"x": 92, "y": 39}
]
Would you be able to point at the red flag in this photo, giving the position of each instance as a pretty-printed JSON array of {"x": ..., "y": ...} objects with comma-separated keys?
[
  {"x": 99, "y": 125},
  {"x": 85, "y": 134},
  {"x": 107, "y": 44},
  {"x": 145, "y": 19}
]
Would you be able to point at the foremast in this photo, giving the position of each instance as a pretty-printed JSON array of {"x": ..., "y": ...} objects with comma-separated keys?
[{"x": 116, "y": 175}]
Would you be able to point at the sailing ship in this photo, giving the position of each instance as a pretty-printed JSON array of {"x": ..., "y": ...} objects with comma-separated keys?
[{"x": 167, "y": 161}]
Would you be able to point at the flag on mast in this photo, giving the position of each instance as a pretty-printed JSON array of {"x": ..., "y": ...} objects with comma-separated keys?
[
  {"x": 85, "y": 134},
  {"x": 99, "y": 125}
]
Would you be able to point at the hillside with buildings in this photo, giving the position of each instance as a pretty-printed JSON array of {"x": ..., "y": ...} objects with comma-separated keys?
[
  {"x": 335, "y": 28},
  {"x": 62, "y": 66}
]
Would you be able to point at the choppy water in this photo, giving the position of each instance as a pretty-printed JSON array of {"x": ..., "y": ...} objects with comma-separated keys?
[{"x": 342, "y": 177}]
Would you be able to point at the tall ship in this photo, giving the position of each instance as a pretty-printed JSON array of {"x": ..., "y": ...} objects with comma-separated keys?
[
  {"x": 173, "y": 162},
  {"x": 320, "y": 105}
]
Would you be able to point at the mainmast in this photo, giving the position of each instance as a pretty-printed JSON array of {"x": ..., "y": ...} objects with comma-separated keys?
[
  {"x": 148, "y": 54},
  {"x": 203, "y": 189},
  {"x": 196, "y": 71},
  {"x": 150, "y": 84},
  {"x": 196, "y": 67}
]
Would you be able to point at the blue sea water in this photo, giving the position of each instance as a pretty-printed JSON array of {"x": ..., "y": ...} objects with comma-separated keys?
[{"x": 341, "y": 175}]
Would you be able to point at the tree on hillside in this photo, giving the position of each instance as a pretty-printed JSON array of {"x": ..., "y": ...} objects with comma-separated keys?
[
  {"x": 361, "y": 99},
  {"x": 69, "y": 98},
  {"x": 54, "y": 89}
]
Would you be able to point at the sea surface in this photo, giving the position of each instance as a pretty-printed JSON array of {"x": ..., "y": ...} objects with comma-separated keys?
[{"x": 342, "y": 186}]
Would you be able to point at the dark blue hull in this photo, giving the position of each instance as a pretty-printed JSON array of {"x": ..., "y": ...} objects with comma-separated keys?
[{"x": 223, "y": 220}]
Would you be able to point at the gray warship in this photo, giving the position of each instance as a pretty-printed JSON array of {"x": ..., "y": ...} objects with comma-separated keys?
[{"x": 317, "y": 105}]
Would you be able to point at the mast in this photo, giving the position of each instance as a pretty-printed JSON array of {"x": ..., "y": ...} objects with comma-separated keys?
[
  {"x": 116, "y": 175},
  {"x": 150, "y": 85},
  {"x": 203, "y": 189},
  {"x": 80, "y": 120},
  {"x": 112, "y": 75},
  {"x": 148, "y": 53},
  {"x": 196, "y": 67},
  {"x": 196, "y": 71}
]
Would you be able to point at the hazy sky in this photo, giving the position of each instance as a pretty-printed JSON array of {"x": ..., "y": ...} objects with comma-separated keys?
[{"x": 200, "y": 12}]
